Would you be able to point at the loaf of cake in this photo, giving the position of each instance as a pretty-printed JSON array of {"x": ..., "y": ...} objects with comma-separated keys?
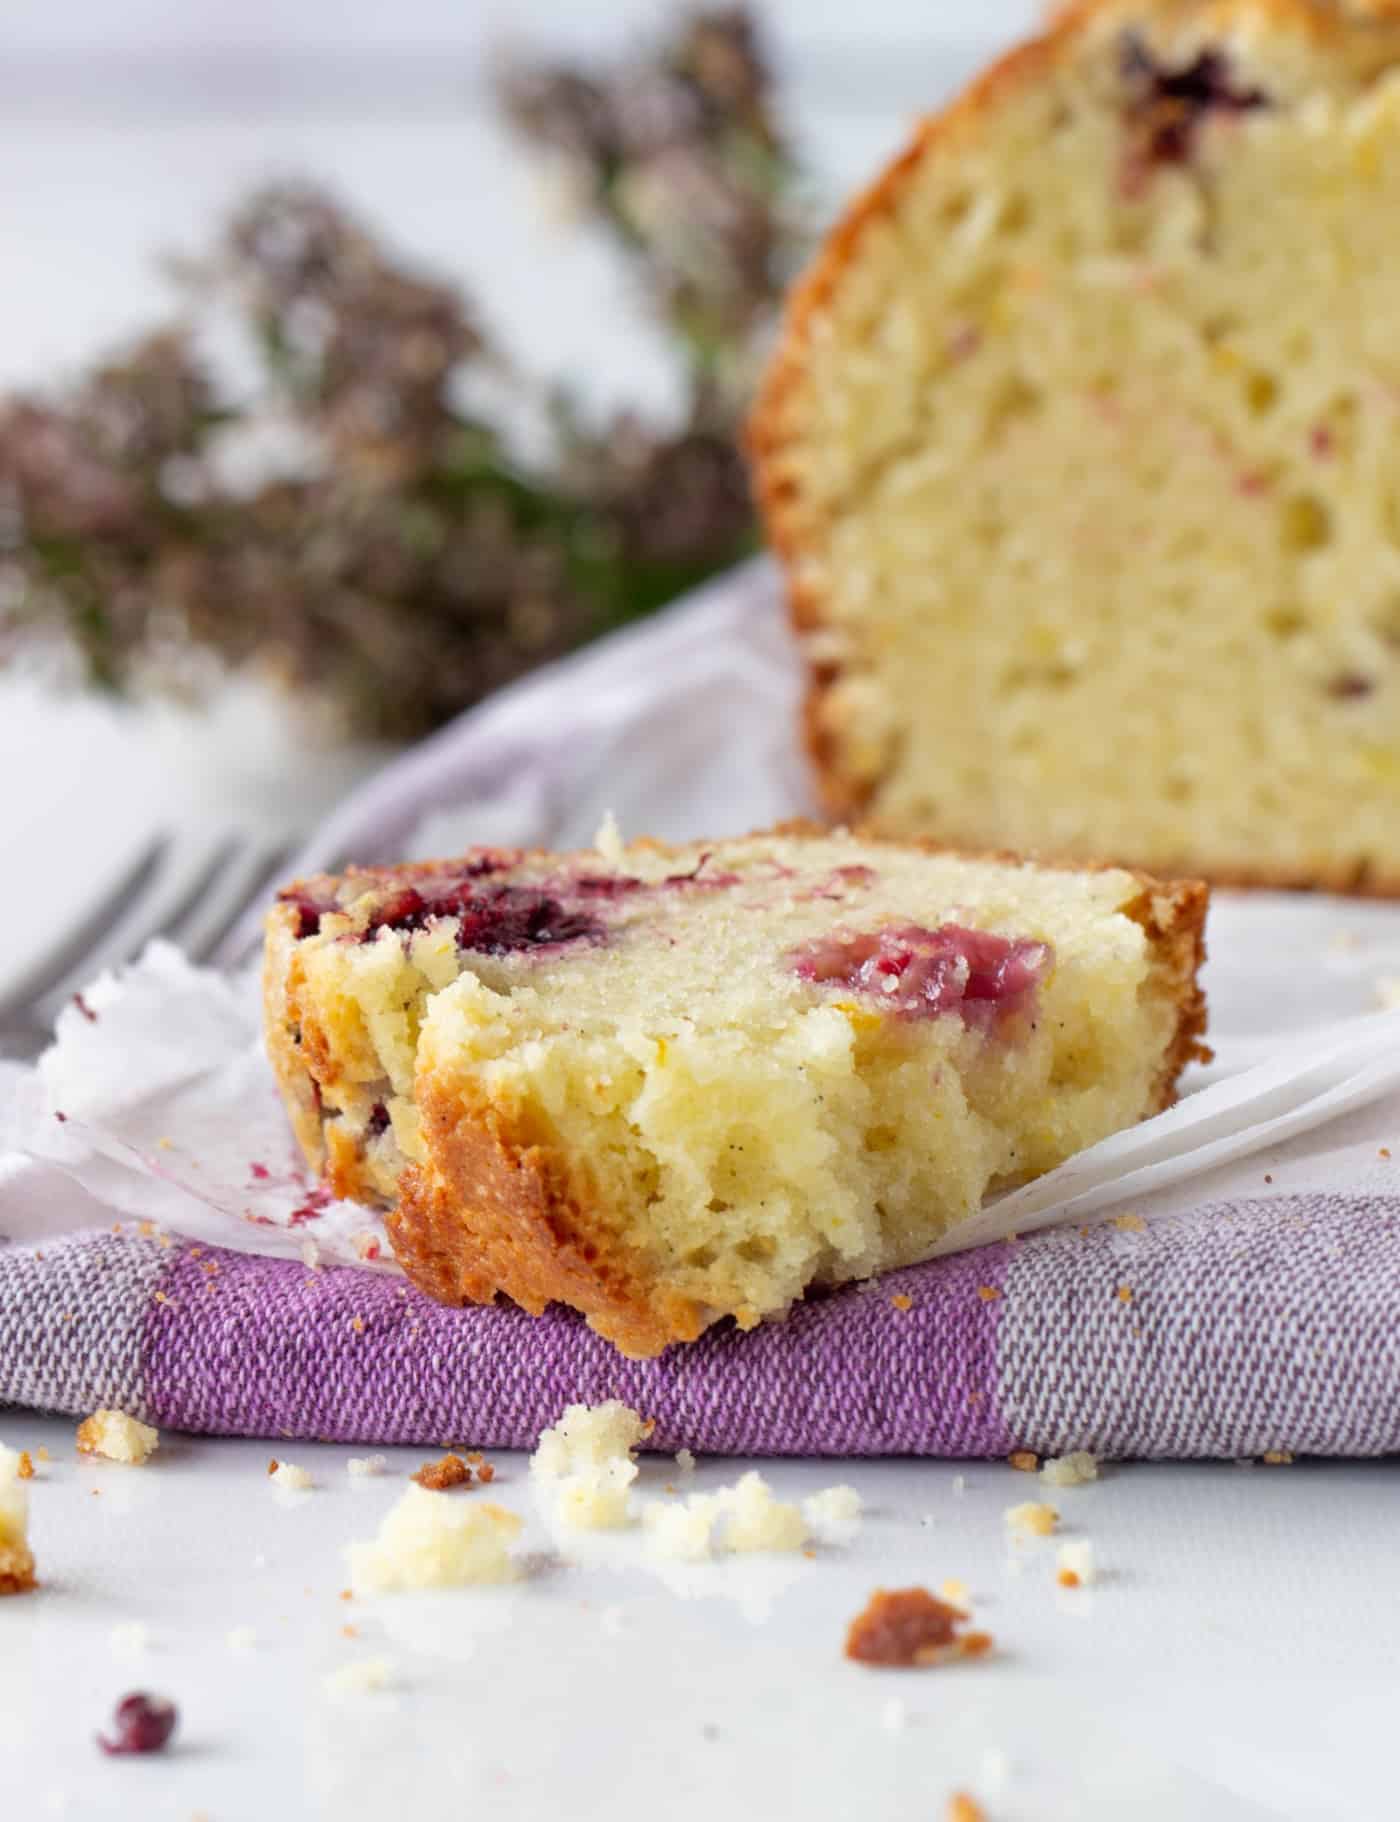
[
  {"x": 1081, "y": 451},
  {"x": 667, "y": 1085}
]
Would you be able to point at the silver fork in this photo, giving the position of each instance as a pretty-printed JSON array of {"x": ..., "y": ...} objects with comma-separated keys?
[{"x": 187, "y": 886}]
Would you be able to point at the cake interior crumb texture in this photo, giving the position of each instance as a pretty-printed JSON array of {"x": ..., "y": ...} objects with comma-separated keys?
[
  {"x": 16, "y": 1558},
  {"x": 679, "y": 1084},
  {"x": 1073, "y": 1470},
  {"x": 746, "y": 1518},
  {"x": 291, "y": 1476},
  {"x": 1031, "y": 1519},
  {"x": 585, "y": 1465},
  {"x": 1080, "y": 450},
  {"x": 435, "y": 1540},
  {"x": 114, "y": 1436}
]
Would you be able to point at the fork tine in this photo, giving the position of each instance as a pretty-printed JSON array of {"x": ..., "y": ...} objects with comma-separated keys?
[
  {"x": 241, "y": 887},
  {"x": 191, "y": 865},
  {"x": 129, "y": 886}
]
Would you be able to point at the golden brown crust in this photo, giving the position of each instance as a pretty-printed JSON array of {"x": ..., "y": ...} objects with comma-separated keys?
[
  {"x": 293, "y": 1035},
  {"x": 498, "y": 1209},
  {"x": 17, "y": 1570},
  {"x": 499, "y": 1212},
  {"x": 845, "y": 795}
]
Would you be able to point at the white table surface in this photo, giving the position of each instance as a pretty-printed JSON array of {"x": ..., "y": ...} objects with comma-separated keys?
[{"x": 1239, "y": 1659}]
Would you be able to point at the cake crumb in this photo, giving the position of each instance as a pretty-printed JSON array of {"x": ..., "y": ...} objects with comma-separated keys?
[
  {"x": 288, "y": 1474},
  {"x": 24, "y": 1468},
  {"x": 959, "y": 1485},
  {"x": 114, "y": 1436},
  {"x": 1075, "y": 1563},
  {"x": 839, "y": 1505},
  {"x": 16, "y": 1558},
  {"x": 1277, "y": 1458},
  {"x": 901, "y": 1302},
  {"x": 1130, "y": 1224},
  {"x": 963, "y": 1808},
  {"x": 362, "y": 1467},
  {"x": 1124, "y": 1293},
  {"x": 1025, "y": 1461},
  {"x": 608, "y": 841},
  {"x": 1031, "y": 1518},
  {"x": 438, "y": 1476},
  {"x": 365, "y": 1676},
  {"x": 1072, "y": 1470},
  {"x": 685, "y": 1461},
  {"x": 430, "y": 1541},
  {"x": 988, "y": 1293},
  {"x": 479, "y": 1466},
  {"x": 956, "y": 1593},
  {"x": 904, "y": 1628},
  {"x": 1384, "y": 1152},
  {"x": 741, "y": 1519},
  {"x": 587, "y": 1463}
]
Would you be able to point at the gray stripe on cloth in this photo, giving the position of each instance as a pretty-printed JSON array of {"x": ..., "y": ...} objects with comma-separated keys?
[
  {"x": 73, "y": 1319},
  {"x": 1245, "y": 1327}
]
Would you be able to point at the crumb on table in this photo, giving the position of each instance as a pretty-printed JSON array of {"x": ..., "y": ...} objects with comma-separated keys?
[
  {"x": 113, "y": 1436},
  {"x": 438, "y": 1476},
  {"x": 430, "y": 1541},
  {"x": 288, "y": 1474},
  {"x": 1075, "y": 1563},
  {"x": 1072, "y": 1470},
  {"x": 16, "y": 1558},
  {"x": 1032, "y": 1518},
  {"x": 906, "y": 1628}
]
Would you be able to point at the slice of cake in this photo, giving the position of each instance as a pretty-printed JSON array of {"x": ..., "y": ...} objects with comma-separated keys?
[
  {"x": 666, "y": 1085},
  {"x": 1080, "y": 452}
]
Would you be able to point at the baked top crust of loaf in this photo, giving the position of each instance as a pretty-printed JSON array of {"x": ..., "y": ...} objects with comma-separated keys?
[
  {"x": 666, "y": 1085},
  {"x": 1078, "y": 452}
]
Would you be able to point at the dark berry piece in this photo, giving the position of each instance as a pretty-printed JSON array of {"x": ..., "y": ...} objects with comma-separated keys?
[
  {"x": 1172, "y": 104},
  {"x": 141, "y": 1723}
]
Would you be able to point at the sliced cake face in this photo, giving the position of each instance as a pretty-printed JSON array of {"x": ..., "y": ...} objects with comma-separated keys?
[
  {"x": 1081, "y": 452},
  {"x": 670, "y": 1085}
]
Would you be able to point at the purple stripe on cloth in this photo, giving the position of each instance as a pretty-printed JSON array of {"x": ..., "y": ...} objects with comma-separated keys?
[
  {"x": 263, "y": 1347},
  {"x": 1246, "y": 1326}
]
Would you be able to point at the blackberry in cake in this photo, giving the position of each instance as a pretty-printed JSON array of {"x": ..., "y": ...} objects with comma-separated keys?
[
  {"x": 1080, "y": 451},
  {"x": 667, "y": 1085}
]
